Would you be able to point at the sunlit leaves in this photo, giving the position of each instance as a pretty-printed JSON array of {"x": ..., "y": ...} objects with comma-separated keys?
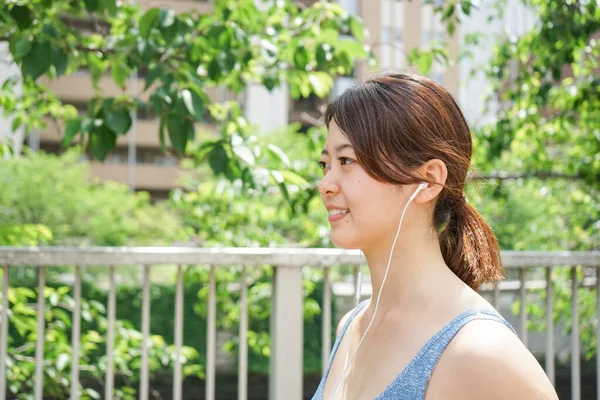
[{"x": 233, "y": 46}]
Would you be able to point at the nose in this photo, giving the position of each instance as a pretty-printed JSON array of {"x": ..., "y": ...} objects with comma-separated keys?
[{"x": 329, "y": 184}]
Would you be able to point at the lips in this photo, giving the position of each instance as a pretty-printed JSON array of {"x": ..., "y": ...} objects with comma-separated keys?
[
  {"x": 338, "y": 211},
  {"x": 336, "y": 214}
]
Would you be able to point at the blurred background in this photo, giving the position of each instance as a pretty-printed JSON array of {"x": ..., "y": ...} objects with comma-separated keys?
[{"x": 158, "y": 171}]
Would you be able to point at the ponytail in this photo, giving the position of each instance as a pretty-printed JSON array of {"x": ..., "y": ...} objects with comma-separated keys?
[{"x": 468, "y": 245}]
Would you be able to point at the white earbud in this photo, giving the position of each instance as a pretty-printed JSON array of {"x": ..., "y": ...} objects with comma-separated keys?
[{"x": 421, "y": 186}]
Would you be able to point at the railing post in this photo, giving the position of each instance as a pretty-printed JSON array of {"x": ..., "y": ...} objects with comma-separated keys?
[
  {"x": 75, "y": 335},
  {"x": 4, "y": 332},
  {"x": 326, "y": 328},
  {"x": 110, "y": 335},
  {"x": 597, "y": 333},
  {"x": 144, "y": 368},
  {"x": 549, "y": 327},
  {"x": 40, "y": 333},
  {"x": 287, "y": 317},
  {"x": 211, "y": 336},
  {"x": 575, "y": 350},
  {"x": 523, "y": 312}
]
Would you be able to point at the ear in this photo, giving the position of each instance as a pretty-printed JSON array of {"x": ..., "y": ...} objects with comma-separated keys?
[{"x": 434, "y": 170}]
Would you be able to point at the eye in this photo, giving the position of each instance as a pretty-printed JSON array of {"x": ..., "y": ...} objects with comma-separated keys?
[
  {"x": 322, "y": 165},
  {"x": 345, "y": 160}
]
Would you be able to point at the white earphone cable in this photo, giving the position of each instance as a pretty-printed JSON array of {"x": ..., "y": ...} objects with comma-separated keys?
[{"x": 347, "y": 363}]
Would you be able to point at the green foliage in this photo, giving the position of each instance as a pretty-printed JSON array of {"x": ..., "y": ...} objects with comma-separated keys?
[
  {"x": 547, "y": 137},
  {"x": 547, "y": 80},
  {"x": 48, "y": 199},
  {"x": 238, "y": 43},
  {"x": 58, "y": 313}
]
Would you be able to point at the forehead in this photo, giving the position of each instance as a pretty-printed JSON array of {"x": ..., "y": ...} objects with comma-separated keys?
[{"x": 335, "y": 136}]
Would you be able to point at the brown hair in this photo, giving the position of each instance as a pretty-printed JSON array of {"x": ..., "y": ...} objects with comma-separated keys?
[{"x": 397, "y": 122}]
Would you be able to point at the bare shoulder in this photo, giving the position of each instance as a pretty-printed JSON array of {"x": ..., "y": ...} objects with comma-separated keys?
[
  {"x": 486, "y": 360},
  {"x": 343, "y": 321}
]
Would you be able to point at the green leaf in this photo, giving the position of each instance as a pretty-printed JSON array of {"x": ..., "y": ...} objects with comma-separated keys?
[
  {"x": 119, "y": 72},
  {"x": 177, "y": 133},
  {"x": 198, "y": 105},
  {"x": 214, "y": 70},
  {"x": 466, "y": 6},
  {"x": 353, "y": 48},
  {"x": 22, "y": 15},
  {"x": 193, "y": 103},
  {"x": 244, "y": 153},
  {"x": 425, "y": 60},
  {"x": 38, "y": 60},
  {"x": 449, "y": 12},
  {"x": 97, "y": 67},
  {"x": 152, "y": 75},
  {"x": 186, "y": 97},
  {"x": 188, "y": 128},
  {"x": 167, "y": 17},
  {"x": 329, "y": 36},
  {"x": 72, "y": 129},
  {"x": 110, "y": 5},
  {"x": 59, "y": 59},
  {"x": 50, "y": 30},
  {"x": 321, "y": 83},
  {"x": 301, "y": 57},
  {"x": 119, "y": 121},
  {"x": 451, "y": 28},
  {"x": 20, "y": 47},
  {"x": 148, "y": 21},
  {"x": 92, "y": 5},
  {"x": 102, "y": 140},
  {"x": 293, "y": 178},
  {"x": 357, "y": 29},
  {"x": 278, "y": 154},
  {"x": 217, "y": 158}
]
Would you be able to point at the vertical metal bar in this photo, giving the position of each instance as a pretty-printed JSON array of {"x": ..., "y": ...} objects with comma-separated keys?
[
  {"x": 211, "y": 337},
  {"x": 393, "y": 29},
  {"x": 575, "y": 372},
  {"x": 326, "y": 349},
  {"x": 356, "y": 283},
  {"x": 597, "y": 333},
  {"x": 39, "y": 345},
  {"x": 110, "y": 335},
  {"x": 523, "y": 296},
  {"x": 177, "y": 379},
  {"x": 243, "y": 356},
  {"x": 132, "y": 148},
  {"x": 4, "y": 332},
  {"x": 285, "y": 379},
  {"x": 75, "y": 336},
  {"x": 549, "y": 327},
  {"x": 145, "y": 333},
  {"x": 496, "y": 299}
]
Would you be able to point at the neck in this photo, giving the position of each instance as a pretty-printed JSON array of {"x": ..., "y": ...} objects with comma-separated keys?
[{"x": 417, "y": 269}]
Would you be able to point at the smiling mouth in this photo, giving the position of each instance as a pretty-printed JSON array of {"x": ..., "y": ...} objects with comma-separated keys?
[
  {"x": 338, "y": 212},
  {"x": 336, "y": 215}
]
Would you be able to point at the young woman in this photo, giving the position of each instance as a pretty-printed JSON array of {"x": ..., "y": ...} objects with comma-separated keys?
[{"x": 399, "y": 142}]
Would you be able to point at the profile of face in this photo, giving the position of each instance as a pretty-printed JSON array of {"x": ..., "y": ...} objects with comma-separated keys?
[{"x": 363, "y": 212}]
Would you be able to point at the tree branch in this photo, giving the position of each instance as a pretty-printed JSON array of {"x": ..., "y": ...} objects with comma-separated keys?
[{"x": 506, "y": 176}]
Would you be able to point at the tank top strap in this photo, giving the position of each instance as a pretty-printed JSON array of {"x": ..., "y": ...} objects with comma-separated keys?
[
  {"x": 338, "y": 340},
  {"x": 416, "y": 375}
]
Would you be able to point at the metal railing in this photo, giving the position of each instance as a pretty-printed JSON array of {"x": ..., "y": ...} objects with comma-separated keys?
[{"x": 286, "y": 363}]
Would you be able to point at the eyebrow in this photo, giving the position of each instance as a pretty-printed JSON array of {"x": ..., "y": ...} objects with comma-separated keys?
[{"x": 338, "y": 148}]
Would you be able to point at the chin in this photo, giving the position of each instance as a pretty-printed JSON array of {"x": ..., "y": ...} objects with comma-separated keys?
[{"x": 344, "y": 240}]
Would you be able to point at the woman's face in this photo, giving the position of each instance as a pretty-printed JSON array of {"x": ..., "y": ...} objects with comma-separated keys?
[{"x": 363, "y": 212}]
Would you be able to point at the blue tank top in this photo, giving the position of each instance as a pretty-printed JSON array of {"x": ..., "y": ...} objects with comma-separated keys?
[{"x": 411, "y": 383}]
